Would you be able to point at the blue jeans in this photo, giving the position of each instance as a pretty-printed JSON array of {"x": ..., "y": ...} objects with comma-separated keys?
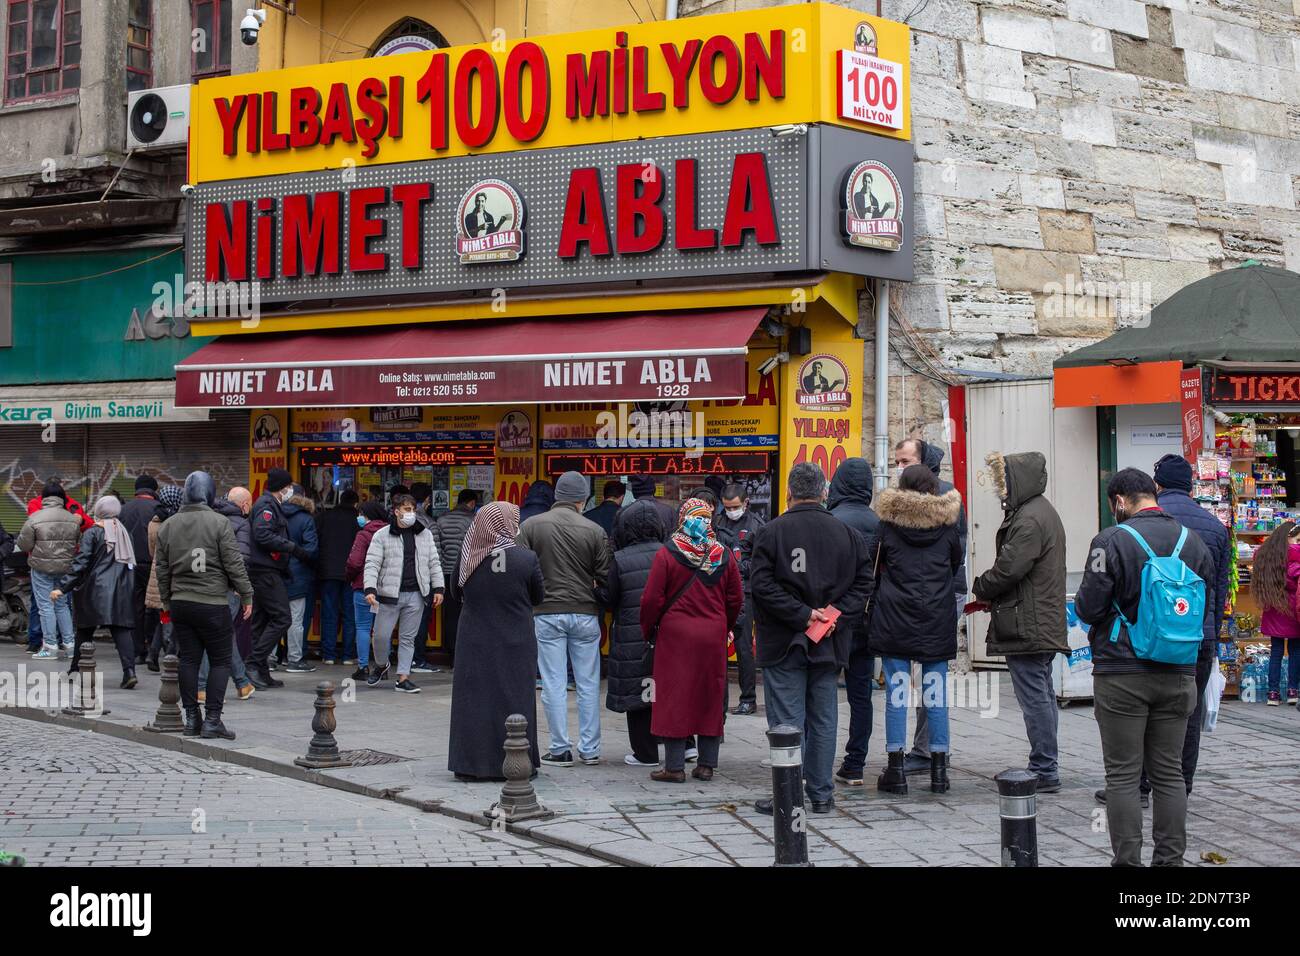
[
  {"x": 805, "y": 696},
  {"x": 857, "y": 683},
  {"x": 934, "y": 691},
  {"x": 1275, "y": 664},
  {"x": 34, "y": 627},
  {"x": 56, "y": 616},
  {"x": 363, "y": 624},
  {"x": 561, "y": 639},
  {"x": 333, "y": 607}
]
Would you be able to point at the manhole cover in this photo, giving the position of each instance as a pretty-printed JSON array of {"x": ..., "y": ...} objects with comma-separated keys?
[{"x": 369, "y": 758}]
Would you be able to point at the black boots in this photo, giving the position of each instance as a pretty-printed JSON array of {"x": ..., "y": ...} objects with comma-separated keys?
[
  {"x": 938, "y": 772},
  {"x": 213, "y": 727},
  {"x": 893, "y": 780},
  {"x": 192, "y": 722}
]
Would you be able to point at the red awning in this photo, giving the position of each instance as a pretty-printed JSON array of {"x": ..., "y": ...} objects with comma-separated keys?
[{"x": 681, "y": 355}]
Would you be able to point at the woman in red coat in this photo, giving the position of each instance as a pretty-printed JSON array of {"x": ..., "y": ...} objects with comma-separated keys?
[{"x": 690, "y": 604}]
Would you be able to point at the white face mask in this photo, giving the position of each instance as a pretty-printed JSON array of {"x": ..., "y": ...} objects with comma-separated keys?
[
  {"x": 406, "y": 519},
  {"x": 286, "y": 495},
  {"x": 735, "y": 514}
]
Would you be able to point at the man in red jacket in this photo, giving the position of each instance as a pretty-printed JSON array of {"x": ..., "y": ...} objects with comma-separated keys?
[{"x": 87, "y": 522}]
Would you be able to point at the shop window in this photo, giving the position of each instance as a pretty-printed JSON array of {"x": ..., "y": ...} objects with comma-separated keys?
[
  {"x": 210, "y": 38},
  {"x": 410, "y": 27},
  {"x": 139, "y": 45},
  {"x": 43, "y": 55}
]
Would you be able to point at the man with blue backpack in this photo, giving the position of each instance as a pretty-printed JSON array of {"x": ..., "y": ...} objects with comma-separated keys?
[{"x": 1147, "y": 592}]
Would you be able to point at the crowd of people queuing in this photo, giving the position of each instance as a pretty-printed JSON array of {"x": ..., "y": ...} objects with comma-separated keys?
[{"x": 845, "y": 581}]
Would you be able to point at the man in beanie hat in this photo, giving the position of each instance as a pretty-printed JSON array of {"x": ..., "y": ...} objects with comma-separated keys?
[
  {"x": 135, "y": 517},
  {"x": 268, "y": 569},
  {"x": 49, "y": 537},
  {"x": 574, "y": 556},
  {"x": 1173, "y": 475}
]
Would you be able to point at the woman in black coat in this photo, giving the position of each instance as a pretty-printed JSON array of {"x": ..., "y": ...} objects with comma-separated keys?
[
  {"x": 499, "y": 583},
  {"x": 102, "y": 582},
  {"x": 913, "y": 617},
  {"x": 637, "y": 538}
]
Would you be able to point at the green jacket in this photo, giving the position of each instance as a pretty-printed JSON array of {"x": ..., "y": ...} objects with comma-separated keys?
[
  {"x": 196, "y": 559},
  {"x": 574, "y": 554},
  {"x": 1025, "y": 588}
]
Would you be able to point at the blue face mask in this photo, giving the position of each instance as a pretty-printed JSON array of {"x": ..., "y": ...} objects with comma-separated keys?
[{"x": 361, "y": 521}]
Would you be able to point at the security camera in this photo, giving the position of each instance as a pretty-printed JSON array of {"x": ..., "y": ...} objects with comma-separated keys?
[
  {"x": 187, "y": 190},
  {"x": 769, "y": 366},
  {"x": 250, "y": 25},
  {"x": 790, "y": 129}
]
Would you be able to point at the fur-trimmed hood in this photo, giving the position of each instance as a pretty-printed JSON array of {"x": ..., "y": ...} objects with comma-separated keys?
[
  {"x": 1018, "y": 477},
  {"x": 918, "y": 511}
]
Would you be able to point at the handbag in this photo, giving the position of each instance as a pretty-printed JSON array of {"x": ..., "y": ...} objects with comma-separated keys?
[{"x": 654, "y": 631}]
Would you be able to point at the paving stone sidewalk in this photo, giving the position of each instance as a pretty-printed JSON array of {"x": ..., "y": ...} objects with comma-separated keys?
[{"x": 1246, "y": 805}]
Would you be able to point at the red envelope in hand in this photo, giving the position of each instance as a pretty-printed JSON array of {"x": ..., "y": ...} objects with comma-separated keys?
[
  {"x": 819, "y": 629},
  {"x": 974, "y": 606}
]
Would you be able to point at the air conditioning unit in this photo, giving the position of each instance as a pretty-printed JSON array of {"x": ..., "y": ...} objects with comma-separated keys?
[{"x": 157, "y": 118}]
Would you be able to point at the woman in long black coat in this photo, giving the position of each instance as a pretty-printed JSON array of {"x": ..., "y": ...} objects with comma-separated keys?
[
  {"x": 637, "y": 538},
  {"x": 102, "y": 582},
  {"x": 913, "y": 617},
  {"x": 499, "y": 583}
]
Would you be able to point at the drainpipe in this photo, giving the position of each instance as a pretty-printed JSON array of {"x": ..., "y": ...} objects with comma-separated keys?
[
  {"x": 670, "y": 11},
  {"x": 881, "y": 464}
]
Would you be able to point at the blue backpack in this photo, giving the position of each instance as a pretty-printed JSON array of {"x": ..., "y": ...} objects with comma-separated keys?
[{"x": 1171, "y": 608}]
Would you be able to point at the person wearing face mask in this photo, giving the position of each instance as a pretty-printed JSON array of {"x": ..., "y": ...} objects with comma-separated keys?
[
  {"x": 336, "y": 530},
  {"x": 373, "y": 517},
  {"x": 402, "y": 569},
  {"x": 268, "y": 568},
  {"x": 1141, "y": 705},
  {"x": 735, "y": 528}
]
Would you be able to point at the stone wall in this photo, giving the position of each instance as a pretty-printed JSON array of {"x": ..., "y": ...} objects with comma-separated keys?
[{"x": 1080, "y": 160}]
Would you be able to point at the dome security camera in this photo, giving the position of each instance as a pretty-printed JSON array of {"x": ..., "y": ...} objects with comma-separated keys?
[
  {"x": 250, "y": 25},
  {"x": 187, "y": 190}
]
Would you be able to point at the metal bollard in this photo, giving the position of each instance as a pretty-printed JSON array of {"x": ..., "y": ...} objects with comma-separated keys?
[
  {"x": 1018, "y": 806},
  {"x": 87, "y": 703},
  {"x": 518, "y": 798},
  {"x": 323, "y": 753},
  {"x": 168, "y": 718},
  {"x": 788, "y": 815}
]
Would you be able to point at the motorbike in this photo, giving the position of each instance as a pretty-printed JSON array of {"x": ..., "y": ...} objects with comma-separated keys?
[{"x": 15, "y": 601}]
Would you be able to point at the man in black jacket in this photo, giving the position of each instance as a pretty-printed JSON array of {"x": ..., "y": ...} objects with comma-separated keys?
[
  {"x": 604, "y": 513},
  {"x": 736, "y": 527},
  {"x": 644, "y": 486},
  {"x": 850, "y": 502},
  {"x": 449, "y": 532},
  {"x": 1141, "y": 705},
  {"x": 135, "y": 517},
  {"x": 336, "y": 529},
  {"x": 268, "y": 569},
  {"x": 914, "y": 451},
  {"x": 804, "y": 562}
]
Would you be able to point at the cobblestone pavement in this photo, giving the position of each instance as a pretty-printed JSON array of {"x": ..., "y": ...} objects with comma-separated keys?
[
  {"x": 73, "y": 798},
  {"x": 1245, "y": 806}
]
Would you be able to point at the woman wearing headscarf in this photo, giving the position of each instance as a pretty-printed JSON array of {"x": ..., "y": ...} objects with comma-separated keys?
[
  {"x": 169, "y": 502},
  {"x": 498, "y": 583},
  {"x": 636, "y": 541},
  {"x": 102, "y": 582},
  {"x": 689, "y": 607}
]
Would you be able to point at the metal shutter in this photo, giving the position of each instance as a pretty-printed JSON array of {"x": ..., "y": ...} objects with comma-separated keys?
[{"x": 117, "y": 454}]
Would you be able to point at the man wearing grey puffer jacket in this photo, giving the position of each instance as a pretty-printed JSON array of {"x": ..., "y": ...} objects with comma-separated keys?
[
  {"x": 50, "y": 538},
  {"x": 402, "y": 569}
]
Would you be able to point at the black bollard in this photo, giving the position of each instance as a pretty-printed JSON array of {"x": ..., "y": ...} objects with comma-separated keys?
[
  {"x": 1018, "y": 806},
  {"x": 168, "y": 718},
  {"x": 789, "y": 826},
  {"x": 323, "y": 752},
  {"x": 518, "y": 798}
]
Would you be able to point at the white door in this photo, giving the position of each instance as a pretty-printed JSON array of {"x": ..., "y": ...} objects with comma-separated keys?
[{"x": 1011, "y": 417}]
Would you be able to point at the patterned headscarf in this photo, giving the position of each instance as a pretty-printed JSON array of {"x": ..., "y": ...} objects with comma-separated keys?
[
  {"x": 495, "y": 527},
  {"x": 694, "y": 536},
  {"x": 170, "y": 498}
]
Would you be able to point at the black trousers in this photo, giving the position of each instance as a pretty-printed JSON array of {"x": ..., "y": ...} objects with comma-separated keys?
[
  {"x": 745, "y": 652},
  {"x": 1205, "y": 664},
  {"x": 198, "y": 629},
  {"x": 450, "y": 623},
  {"x": 144, "y": 617},
  {"x": 645, "y": 745},
  {"x": 271, "y": 618},
  {"x": 122, "y": 637}
]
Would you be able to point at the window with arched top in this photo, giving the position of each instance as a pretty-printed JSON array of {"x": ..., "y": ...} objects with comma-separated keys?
[{"x": 415, "y": 32}]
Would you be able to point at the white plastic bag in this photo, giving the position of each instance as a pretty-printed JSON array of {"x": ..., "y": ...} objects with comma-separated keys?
[{"x": 1213, "y": 694}]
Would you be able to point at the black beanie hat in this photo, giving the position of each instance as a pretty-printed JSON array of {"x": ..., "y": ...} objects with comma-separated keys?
[
  {"x": 1174, "y": 471},
  {"x": 53, "y": 489},
  {"x": 146, "y": 483},
  {"x": 277, "y": 479}
]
